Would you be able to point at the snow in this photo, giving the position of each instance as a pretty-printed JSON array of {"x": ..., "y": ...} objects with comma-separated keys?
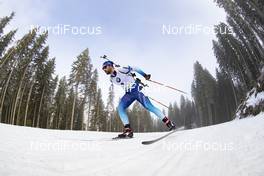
[
  {"x": 233, "y": 148},
  {"x": 255, "y": 100}
]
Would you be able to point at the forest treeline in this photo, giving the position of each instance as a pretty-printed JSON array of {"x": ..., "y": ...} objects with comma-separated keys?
[{"x": 239, "y": 52}]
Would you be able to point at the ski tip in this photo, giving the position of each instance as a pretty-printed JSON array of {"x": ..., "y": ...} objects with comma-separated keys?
[
  {"x": 117, "y": 138},
  {"x": 146, "y": 142}
]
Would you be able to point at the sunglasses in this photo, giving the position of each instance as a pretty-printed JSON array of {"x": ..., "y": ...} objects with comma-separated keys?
[{"x": 104, "y": 67}]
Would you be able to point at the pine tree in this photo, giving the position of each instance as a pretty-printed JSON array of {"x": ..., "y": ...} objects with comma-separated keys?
[
  {"x": 24, "y": 71},
  {"x": 110, "y": 108},
  {"x": 204, "y": 93},
  {"x": 92, "y": 100},
  {"x": 59, "y": 118},
  {"x": 240, "y": 53},
  {"x": 14, "y": 61},
  {"x": 98, "y": 119},
  {"x": 34, "y": 86},
  {"x": 5, "y": 39},
  {"x": 68, "y": 107},
  {"x": 48, "y": 85},
  {"x": 79, "y": 80}
]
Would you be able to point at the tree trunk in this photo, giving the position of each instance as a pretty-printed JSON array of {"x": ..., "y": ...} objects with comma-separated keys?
[
  {"x": 18, "y": 94},
  {"x": 34, "y": 115},
  {"x": 73, "y": 106},
  {"x": 88, "y": 113},
  {"x": 20, "y": 104},
  {"x": 28, "y": 100},
  {"x": 40, "y": 106},
  {"x": 5, "y": 89}
]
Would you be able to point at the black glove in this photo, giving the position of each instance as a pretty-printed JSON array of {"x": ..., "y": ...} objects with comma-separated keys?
[{"x": 147, "y": 76}]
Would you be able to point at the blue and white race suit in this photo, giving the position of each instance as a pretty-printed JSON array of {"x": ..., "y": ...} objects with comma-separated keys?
[{"x": 123, "y": 76}]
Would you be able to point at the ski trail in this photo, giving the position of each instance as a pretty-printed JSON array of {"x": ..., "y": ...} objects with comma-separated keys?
[{"x": 28, "y": 151}]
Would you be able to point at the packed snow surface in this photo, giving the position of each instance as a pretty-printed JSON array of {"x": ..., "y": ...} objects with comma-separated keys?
[{"x": 234, "y": 148}]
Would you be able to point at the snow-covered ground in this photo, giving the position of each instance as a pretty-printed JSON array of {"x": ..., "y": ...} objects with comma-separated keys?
[
  {"x": 253, "y": 100},
  {"x": 235, "y": 148}
]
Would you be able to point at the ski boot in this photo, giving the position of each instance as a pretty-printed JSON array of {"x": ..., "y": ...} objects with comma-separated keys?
[
  {"x": 127, "y": 132},
  {"x": 169, "y": 123}
]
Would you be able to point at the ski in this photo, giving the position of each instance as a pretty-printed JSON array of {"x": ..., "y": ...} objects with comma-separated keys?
[
  {"x": 118, "y": 138},
  {"x": 158, "y": 139}
]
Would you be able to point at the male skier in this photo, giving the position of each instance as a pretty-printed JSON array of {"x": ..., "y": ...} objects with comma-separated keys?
[{"x": 125, "y": 77}]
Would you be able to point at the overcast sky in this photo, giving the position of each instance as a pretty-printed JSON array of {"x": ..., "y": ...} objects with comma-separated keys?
[{"x": 151, "y": 34}]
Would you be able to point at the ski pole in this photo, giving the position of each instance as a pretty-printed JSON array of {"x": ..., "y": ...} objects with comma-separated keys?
[
  {"x": 159, "y": 102},
  {"x": 168, "y": 86}
]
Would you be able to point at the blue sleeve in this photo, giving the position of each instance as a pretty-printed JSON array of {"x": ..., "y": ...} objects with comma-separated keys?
[
  {"x": 138, "y": 70},
  {"x": 128, "y": 69},
  {"x": 125, "y": 70}
]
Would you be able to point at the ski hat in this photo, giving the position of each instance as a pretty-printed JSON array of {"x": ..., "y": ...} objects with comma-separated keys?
[{"x": 108, "y": 63}]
